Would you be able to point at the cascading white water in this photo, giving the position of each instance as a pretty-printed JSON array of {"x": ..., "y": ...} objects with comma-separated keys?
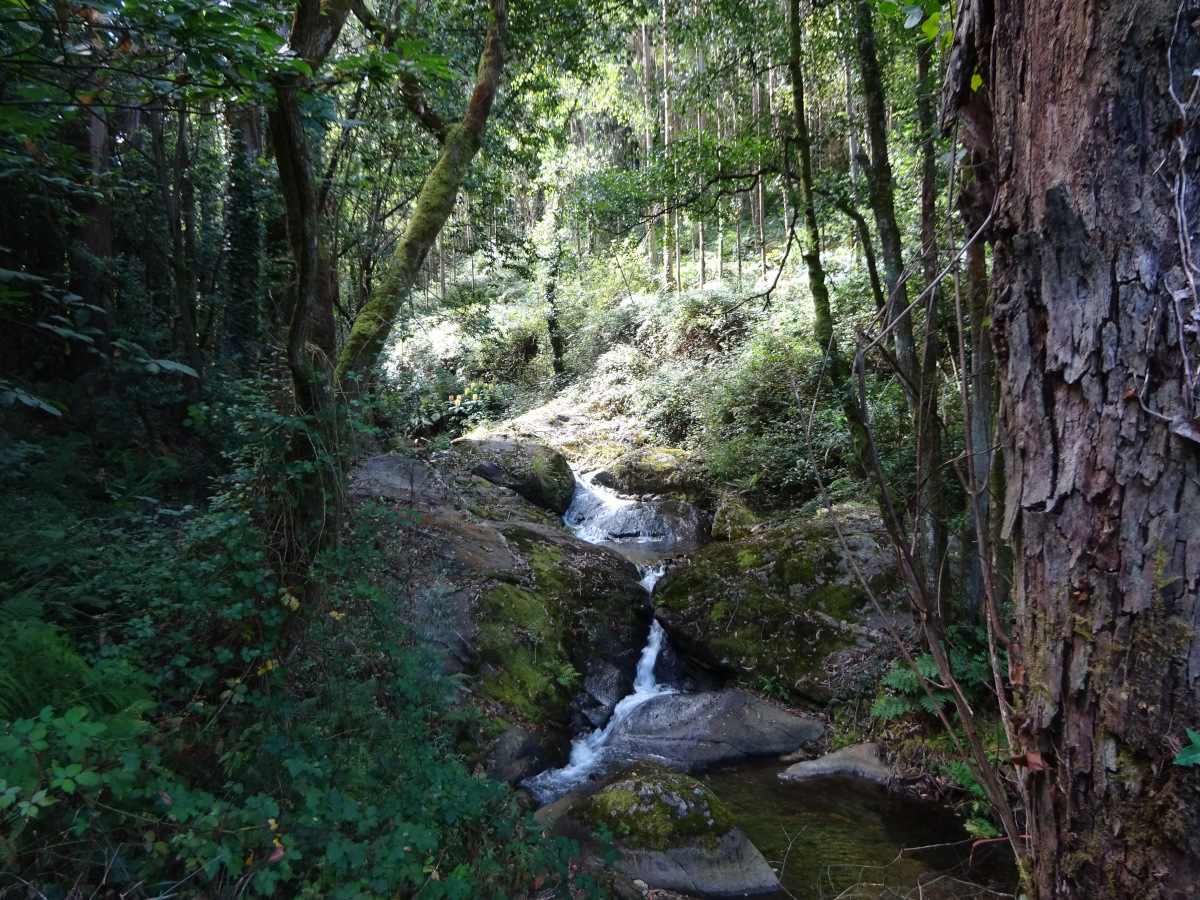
[
  {"x": 599, "y": 516},
  {"x": 651, "y": 573},
  {"x": 587, "y": 751}
]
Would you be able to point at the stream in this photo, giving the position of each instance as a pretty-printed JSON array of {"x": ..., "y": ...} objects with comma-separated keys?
[{"x": 822, "y": 836}]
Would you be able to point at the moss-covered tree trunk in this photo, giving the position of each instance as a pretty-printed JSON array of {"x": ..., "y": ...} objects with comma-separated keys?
[
  {"x": 434, "y": 205},
  {"x": 1095, "y": 285}
]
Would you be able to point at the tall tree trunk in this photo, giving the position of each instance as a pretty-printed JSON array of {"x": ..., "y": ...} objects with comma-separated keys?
[
  {"x": 1093, "y": 279},
  {"x": 170, "y": 190},
  {"x": 553, "y": 327},
  {"x": 243, "y": 325},
  {"x": 374, "y": 322},
  {"x": 931, "y": 517},
  {"x": 881, "y": 194},
  {"x": 649, "y": 67},
  {"x": 762, "y": 181}
]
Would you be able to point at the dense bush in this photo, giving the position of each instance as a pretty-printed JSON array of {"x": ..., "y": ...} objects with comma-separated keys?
[{"x": 174, "y": 709}]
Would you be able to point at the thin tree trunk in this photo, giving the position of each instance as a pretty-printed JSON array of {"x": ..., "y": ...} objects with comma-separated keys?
[
  {"x": 931, "y": 517},
  {"x": 762, "y": 196},
  {"x": 881, "y": 192}
]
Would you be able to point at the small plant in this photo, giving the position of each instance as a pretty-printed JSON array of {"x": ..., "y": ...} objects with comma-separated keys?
[
  {"x": 901, "y": 687},
  {"x": 772, "y": 686},
  {"x": 1189, "y": 755}
]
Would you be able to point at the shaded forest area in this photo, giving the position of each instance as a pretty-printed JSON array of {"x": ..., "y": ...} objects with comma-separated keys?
[{"x": 932, "y": 260}]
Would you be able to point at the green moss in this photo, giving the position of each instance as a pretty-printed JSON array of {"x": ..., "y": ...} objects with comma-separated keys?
[
  {"x": 764, "y": 603},
  {"x": 748, "y": 559},
  {"x": 649, "y": 807},
  {"x": 841, "y": 601}
]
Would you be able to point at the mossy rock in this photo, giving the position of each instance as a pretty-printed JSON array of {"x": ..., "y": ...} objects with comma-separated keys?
[
  {"x": 673, "y": 834},
  {"x": 650, "y": 807},
  {"x": 772, "y": 608},
  {"x": 523, "y": 464},
  {"x": 658, "y": 470},
  {"x": 733, "y": 519},
  {"x": 501, "y": 592},
  {"x": 577, "y": 602}
]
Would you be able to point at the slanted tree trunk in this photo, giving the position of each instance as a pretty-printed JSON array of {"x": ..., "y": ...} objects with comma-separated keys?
[
  {"x": 434, "y": 205},
  {"x": 1093, "y": 289}
]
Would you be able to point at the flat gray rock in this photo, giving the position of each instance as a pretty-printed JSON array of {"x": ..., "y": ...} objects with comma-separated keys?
[
  {"x": 691, "y": 730},
  {"x": 860, "y": 760},
  {"x": 734, "y": 869}
]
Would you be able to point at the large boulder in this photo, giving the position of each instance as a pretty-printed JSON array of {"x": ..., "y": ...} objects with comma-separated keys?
[
  {"x": 503, "y": 595},
  {"x": 523, "y": 464},
  {"x": 776, "y": 608},
  {"x": 674, "y": 834},
  {"x": 658, "y": 470},
  {"x": 687, "y": 731}
]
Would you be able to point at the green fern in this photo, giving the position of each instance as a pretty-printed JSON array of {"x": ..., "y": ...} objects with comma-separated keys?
[
  {"x": 891, "y": 706},
  {"x": 40, "y": 667}
]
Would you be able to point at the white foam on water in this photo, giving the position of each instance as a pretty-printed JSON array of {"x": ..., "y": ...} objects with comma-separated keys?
[
  {"x": 591, "y": 505},
  {"x": 651, "y": 574},
  {"x": 587, "y": 751}
]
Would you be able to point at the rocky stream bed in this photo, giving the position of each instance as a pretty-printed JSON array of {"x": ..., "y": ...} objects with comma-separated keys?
[{"x": 621, "y": 656}]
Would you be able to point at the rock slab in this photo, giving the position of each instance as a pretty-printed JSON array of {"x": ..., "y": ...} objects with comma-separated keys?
[
  {"x": 735, "y": 868},
  {"x": 859, "y": 760},
  {"x": 686, "y": 731}
]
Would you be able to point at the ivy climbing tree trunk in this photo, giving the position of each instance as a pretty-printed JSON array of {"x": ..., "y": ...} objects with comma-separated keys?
[
  {"x": 434, "y": 206},
  {"x": 1094, "y": 110}
]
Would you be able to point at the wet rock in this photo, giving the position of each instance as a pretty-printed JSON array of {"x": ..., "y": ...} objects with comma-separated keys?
[
  {"x": 666, "y": 471},
  {"x": 859, "y": 760},
  {"x": 523, "y": 464},
  {"x": 672, "y": 520},
  {"x": 603, "y": 687},
  {"x": 686, "y": 731},
  {"x": 673, "y": 834}
]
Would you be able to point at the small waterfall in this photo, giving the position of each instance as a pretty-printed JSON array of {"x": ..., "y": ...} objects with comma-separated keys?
[
  {"x": 652, "y": 573},
  {"x": 587, "y": 751},
  {"x": 639, "y": 527}
]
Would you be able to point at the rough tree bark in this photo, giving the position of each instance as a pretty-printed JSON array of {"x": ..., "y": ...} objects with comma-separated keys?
[
  {"x": 315, "y": 28},
  {"x": 434, "y": 205},
  {"x": 1095, "y": 350}
]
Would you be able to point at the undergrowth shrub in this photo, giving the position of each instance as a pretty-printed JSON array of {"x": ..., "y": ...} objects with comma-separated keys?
[{"x": 176, "y": 711}]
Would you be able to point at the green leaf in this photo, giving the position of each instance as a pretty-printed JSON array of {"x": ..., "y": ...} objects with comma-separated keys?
[
  {"x": 168, "y": 366},
  {"x": 1189, "y": 756},
  {"x": 976, "y": 81}
]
